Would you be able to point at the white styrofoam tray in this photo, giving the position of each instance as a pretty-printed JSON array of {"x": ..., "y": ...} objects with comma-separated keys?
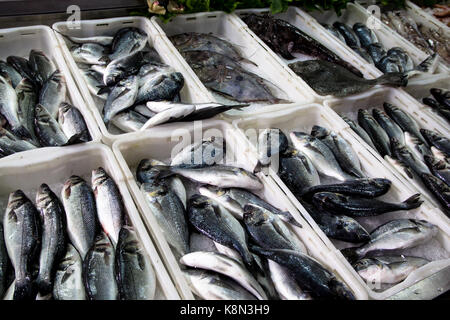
[
  {"x": 303, "y": 118},
  {"x": 159, "y": 144},
  {"x": 56, "y": 167},
  {"x": 193, "y": 90},
  {"x": 375, "y": 99},
  {"x": 229, "y": 27},
  {"x": 19, "y": 42}
]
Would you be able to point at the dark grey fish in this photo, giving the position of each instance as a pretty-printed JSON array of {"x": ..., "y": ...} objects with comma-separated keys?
[
  {"x": 15, "y": 76},
  {"x": 327, "y": 78},
  {"x": 439, "y": 168},
  {"x": 442, "y": 96},
  {"x": 72, "y": 123},
  {"x": 334, "y": 32},
  {"x": 308, "y": 273},
  {"x": 135, "y": 275},
  {"x": 366, "y": 36},
  {"x": 218, "y": 224},
  {"x": 440, "y": 190},
  {"x": 390, "y": 64},
  {"x": 338, "y": 226},
  {"x": 165, "y": 87},
  {"x": 23, "y": 68},
  {"x": 123, "y": 68},
  {"x": 99, "y": 270},
  {"x": 359, "y": 131},
  {"x": 53, "y": 245},
  {"x": 122, "y": 96},
  {"x": 271, "y": 142},
  {"x": 404, "y": 59},
  {"x": 405, "y": 121},
  {"x": 26, "y": 99},
  {"x": 53, "y": 93},
  {"x": 393, "y": 235},
  {"x": 22, "y": 239},
  {"x": 392, "y": 129},
  {"x": 349, "y": 35},
  {"x": 437, "y": 140},
  {"x": 408, "y": 159},
  {"x": 127, "y": 41},
  {"x": 68, "y": 281},
  {"x": 47, "y": 129},
  {"x": 344, "y": 153},
  {"x": 366, "y": 187},
  {"x": 376, "y": 51},
  {"x": 363, "y": 53},
  {"x": 41, "y": 66},
  {"x": 79, "y": 205},
  {"x": 377, "y": 134},
  {"x": 439, "y": 108},
  {"x": 361, "y": 207}
]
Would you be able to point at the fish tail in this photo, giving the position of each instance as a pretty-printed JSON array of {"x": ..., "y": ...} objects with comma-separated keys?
[
  {"x": 397, "y": 79},
  {"x": 23, "y": 289},
  {"x": 351, "y": 254},
  {"x": 340, "y": 290},
  {"x": 412, "y": 202}
]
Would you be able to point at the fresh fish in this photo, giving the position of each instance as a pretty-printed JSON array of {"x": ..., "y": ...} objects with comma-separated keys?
[
  {"x": 337, "y": 226},
  {"x": 351, "y": 39},
  {"x": 99, "y": 270},
  {"x": 53, "y": 93},
  {"x": 212, "y": 286},
  {"x": 405, "y": 121},
  {"x": 123, "y": 68},
  {"x": 439, "y": 154},
  {"x": 366, "y": 36},
  {"x": 48, "y": 130},
  {"x": 308, "y": 273},
  {"x": 122, "y": 96},
  {"x": 170, "y": 214},
  {"x": 135, "y": 275},
  {"x": 439, "y": 108},
  {"x": 437, "y": 140},
  {"x": 165, "y": 87},
  {"x": 101, "y": 40},
  {"x": 143, "y": 110},
  {"x": 390, "y": 64},
  {"x": 205, "y": 152},
  {"x": 224, "y": 265},
  {"x": 285, "y": 284},
  {"x": 366, "y": 187},
  {"x": 359, "y": 131},
  {"x": 363, "y": 53},
  {"x": 404, "y": 59},
  {"x": 408, "y": 158},
  {"x": 68, "y": 281},
  {"x": 376, "y": 51},
  {"x": 327, "y": 78},
  {"x": 22, "y": 240},
  {"x": 441, "y": 96},
  {"x": 150, "y": 71},
  {"x": 9, "y": 108},
  {"x": 10, "y": 144},
  {"x": 53, "y": 245},
  {"x": 22, "y": 66},
  {"x": 41, "y": 66},
  {"x": 318, "y": 152},
  {"x": 109, "y": 204},
  {"x": 344, "y": 153},
  {"x": 79, "y": 204},
  {"x": 170, "y": 115},
  {"x": 286, "y": 40},
  {"x": 361, "y": 207},
  {"x": 218, "y": 224},
  {"x": 216, "y": 175},
  {"x": 129, "y": 121},
  {"x": 416, "y": 146},
  {"x": 26, "y": 99},
  {"x": 4, "y": 263},
  {"x": 376, "y": 133},
  {"x": 439, "y": 188},
  {"x": 334, "y": 32},
  {"x": 390, "y": 269},
  {"x": 127, "y": 41},
  {"x": 392, "y": 129},
  {"x": 268, "y": 231},
  {"x": 72, "y": 122},
  {"x": 393, "y": 235},
  {"x": 272, "y": 142},
  {"x": 89, "y": 53},
  {"x": 94, "y": 81},
  {"x": 6, "y": 68},
  {"x": 439, "y": 168}
]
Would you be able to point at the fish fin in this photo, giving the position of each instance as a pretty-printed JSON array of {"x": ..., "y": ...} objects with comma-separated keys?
[
  {"x": 412, "y": 202},
  {"x": 396, "y": 79},
  {"x": 350, "y": 254},
  {"x": 287, "y": 216},
  {"x": 23, "y": 289}
]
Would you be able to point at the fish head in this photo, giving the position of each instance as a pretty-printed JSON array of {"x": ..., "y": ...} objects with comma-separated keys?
[
  {"x": 319, "y": 132},
  {"x": 365, "y": 264},
  {"x": 379, "y": 182},
  {"x": 26, "y": 85},
  {"x": 424, "y": 225},
  {"x": 146, "y": 170},
  {"x": 351, "y": 226},
  {"x": 64, "y": 107},
  {"x": 300, "y": 137},
  {"x": 199, "y": 201},
  {"x": 154, "y": 190},
  {"x": 16, "y": 199},
  {"x": 429, "y": 135},
  {"x": 178, "y": 78},
  {"x": 71, "y": 182},
  {"x": 254, "y": 215},
  {"x": 43, "y": 196},
  {"x": 99, "y": 176}
]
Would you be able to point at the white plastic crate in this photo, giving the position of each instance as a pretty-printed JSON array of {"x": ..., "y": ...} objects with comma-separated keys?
[
  {"x": 159, "y": 143},
  {"x": 19, "y": 42},
  {"x": 229, "y": 27},
  {"x": 54, "y": 168},
  {"x": 193, "y": 90},
  {"x": 302, "y": 118},
  {"x": 375, "y": 99}
]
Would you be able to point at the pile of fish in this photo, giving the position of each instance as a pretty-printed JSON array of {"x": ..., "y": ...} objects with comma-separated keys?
[
  {"x": 219, "y": 65},
  {"x": 75, "y": 250},
  {"x": 439, "y": 102},
  {"x": 422, "y": 154},
  {"x": 429, "y": 40},
  {"x": 33, "y": 106},
  {"x": 365, "y": 42},
  {"x": 324, "y": 71},
  {"x": 231, "y": 244},
  {"x": 324, "y": 173}
]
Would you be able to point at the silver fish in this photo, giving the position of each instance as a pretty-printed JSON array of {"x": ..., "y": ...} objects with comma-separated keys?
[
  {"x": 207, "y": 151},
  {"x": 122, "y": 68},
  {"x": 4, "y": 262},
  {"x": 102, "y": 40},
  {"x": 7, "y": 69},
  {"x": 72, "y": 122},
  {"x": 99, "y": 270},
  {"x": 135, "y": 277},
  {"x": 416, "y": 146},
  {"x": 150, "y": 71},
  {"x": 79, "y": 205},
  {"x": 169, "y": 115},
  {"x": 144, "y": 111},
  {"x": 27, "y": 98},
  {"x": 94, "y": 81},
  {"x": 41, "y": 66},
  {"x": 127, "y": 41},
  {"x": 89, "y": 53},
  {"x": 224, "y": 265},
  {"x": 285, "y": 284},
  {"x": 392, "y": 129},
  {"x": 10, "y": 144},
  {"x": 53, "y": 93},
  {"x": 129, "y": 121},
  {"x": 163, "y": 87},
  {"x": 47, "y": 129},
  {"x": 68, "y": 281},
  {"x": 121, "y": 97}
]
